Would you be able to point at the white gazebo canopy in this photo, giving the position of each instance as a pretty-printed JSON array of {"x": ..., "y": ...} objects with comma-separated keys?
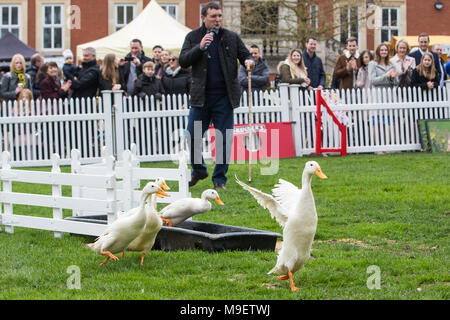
[{"x": 153, "y": 26}]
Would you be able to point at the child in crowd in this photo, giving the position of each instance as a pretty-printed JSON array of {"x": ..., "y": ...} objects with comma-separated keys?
[
  {"x": 69, "y": 69},
  {"x": 147, "y": 84}
]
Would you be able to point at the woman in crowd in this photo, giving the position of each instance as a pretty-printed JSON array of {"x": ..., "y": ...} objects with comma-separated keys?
[
  {"x": 293, "y": 70},
  {"x": 382, "y": 73},
  {"x": 51, "y": 87},
  {"x": 425, "y": 75},
  {"x": 403, "y": 63},
  {"x": 176, "y": 80},
  {"x": 164, "y": 63},
  {"x": 110, "y": 77},
  {"x": 16, "y": 80},
  {"x": 362, "y": 79}
]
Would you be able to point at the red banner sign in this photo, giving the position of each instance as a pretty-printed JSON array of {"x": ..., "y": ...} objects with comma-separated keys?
[{"x": 271, "y": 141}]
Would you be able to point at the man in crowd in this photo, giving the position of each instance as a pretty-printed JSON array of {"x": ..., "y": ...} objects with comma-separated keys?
[
  {"x": 212, "y": 51},
  {"x": 131, "y": 66},
  {"x": 424, "y": 43},
  {"x": 37, "y": 60},
  {"x": 438, "y": 49},
  {"x": 259, "y": 75},
  {"x": 157, "y": 56},
  {"x": 314, "y": 65},
  {"x": 86, "y": 84},
  {"x": 347, "y": 65}
]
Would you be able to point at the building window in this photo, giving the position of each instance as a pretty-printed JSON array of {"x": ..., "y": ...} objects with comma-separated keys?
[
  {"x": 389, "y": 23},
  {"x": 10, "y": 20},
  {"x": 349, "y": 23},
  {"x": 314, "y": 11},
  {"x": 53, "y": 26},
  {"x": 171, "y": 9},
  {"x": 124, "y": 14}
]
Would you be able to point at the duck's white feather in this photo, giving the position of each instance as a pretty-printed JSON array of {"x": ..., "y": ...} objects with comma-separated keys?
[
  {"x": 267, "y": 201},
  {"x": 286, "y": 194}
]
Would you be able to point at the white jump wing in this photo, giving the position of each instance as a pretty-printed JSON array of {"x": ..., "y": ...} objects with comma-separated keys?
[
  {"x": 286, "y": 194},
  {"x": 267, "y": 202}
]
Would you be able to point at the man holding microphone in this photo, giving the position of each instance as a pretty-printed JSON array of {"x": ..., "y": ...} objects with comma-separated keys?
[{"x": 213, "y": 52}]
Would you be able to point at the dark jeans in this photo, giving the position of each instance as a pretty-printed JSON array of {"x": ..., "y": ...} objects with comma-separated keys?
[{"x": 218, "y": 111}]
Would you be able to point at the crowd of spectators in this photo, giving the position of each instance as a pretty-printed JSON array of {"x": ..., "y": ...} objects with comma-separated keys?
[
  {"x": 135, "y": 74},
  {"x": 140, "y": 75},
  {"x": 383, "y": 68}
]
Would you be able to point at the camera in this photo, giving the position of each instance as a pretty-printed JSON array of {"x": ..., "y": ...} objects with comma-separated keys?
[{"x": 129, "y": 59}]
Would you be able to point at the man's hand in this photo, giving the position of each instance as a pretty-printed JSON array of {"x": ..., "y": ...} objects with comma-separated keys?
[
  {"x": 249, "y": 63},
  {"x": 208, "y": 38},
  {"x": 136, "y": 61},
  {"x": 122, "y": 62}
]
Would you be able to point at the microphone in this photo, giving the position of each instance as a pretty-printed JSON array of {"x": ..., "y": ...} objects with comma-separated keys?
[{"x": 211, "y": 32}]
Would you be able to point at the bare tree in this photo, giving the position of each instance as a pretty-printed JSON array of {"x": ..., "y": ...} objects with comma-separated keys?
[{"x": 293, "y": 21}]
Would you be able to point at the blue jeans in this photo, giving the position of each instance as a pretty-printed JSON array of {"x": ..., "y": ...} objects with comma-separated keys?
[{"x": 218, "y": 111}]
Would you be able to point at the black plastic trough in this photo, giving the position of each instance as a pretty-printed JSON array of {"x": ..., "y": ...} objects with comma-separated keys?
[{"x": 204, "y": 236}]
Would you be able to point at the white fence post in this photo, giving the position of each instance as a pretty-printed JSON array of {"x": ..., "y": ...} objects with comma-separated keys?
[
  {"x": 447, "y": 84},
  {"x": 184, "y": 172},
  {"x": 111, "y": 190},
  {"x": 57, "y": 192},
  {"x": 7, "y": 187},
  {"x": 285, "y": 105},
  {"x": 118, "y": 119},
  {"x": 75, "y": 168},
  {"x": 128, "y": 189},
  {"x": 109, "y": 112}
]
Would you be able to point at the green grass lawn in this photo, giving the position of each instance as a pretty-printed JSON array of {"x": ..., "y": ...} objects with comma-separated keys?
[{"x": 390, "y": 211}]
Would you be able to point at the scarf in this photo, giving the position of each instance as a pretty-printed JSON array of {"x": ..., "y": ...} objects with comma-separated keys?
[
  {"x": 20, "y": 78},
  {"x": 172, "y": 73}
]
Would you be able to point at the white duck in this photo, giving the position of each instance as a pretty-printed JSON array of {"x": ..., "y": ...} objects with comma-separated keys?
[
  {"x": 153, "y": 224},
  {"x": 180, "y": 210},
  {"x": 125, "y": 229},
  {"x": 295, "y": 210}
]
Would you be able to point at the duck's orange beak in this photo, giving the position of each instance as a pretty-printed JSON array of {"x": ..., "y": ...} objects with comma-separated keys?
[
  {"x": 219, "y": 201},
  {"x": 161, "y": 194},
  {"x": 165, "y": 186},
  {"x": 320, "y": 174}
]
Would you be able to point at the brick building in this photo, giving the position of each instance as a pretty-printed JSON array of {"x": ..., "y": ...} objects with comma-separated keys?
[{"x": 51, "y": 26}]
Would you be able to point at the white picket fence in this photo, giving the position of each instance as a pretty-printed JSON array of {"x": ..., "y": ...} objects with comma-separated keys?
[
  {"x": 9, "y": 199},
  {"x": 99, "y": 189},
  {"x": 378, "y": 120}
]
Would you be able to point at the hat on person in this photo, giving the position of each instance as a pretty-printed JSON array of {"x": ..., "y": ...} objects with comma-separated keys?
[{"x": 67, "y": 54}]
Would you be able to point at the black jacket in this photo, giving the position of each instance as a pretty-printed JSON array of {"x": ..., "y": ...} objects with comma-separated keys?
[
  {"x": 148, "y": 86},
  {"x": 314, "y": 67},
  {"x": 86, "y": 84},
  {"x": 35, "y": 87},
  {"x": 260, "y": 76},
  {"x": 125, "y": 69},
  {"x": 179, "y": 83},
  {"x": 231, "y": 49},
  {"x": 104, "y": 84},
  {"x": 420, "y": 81}
]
